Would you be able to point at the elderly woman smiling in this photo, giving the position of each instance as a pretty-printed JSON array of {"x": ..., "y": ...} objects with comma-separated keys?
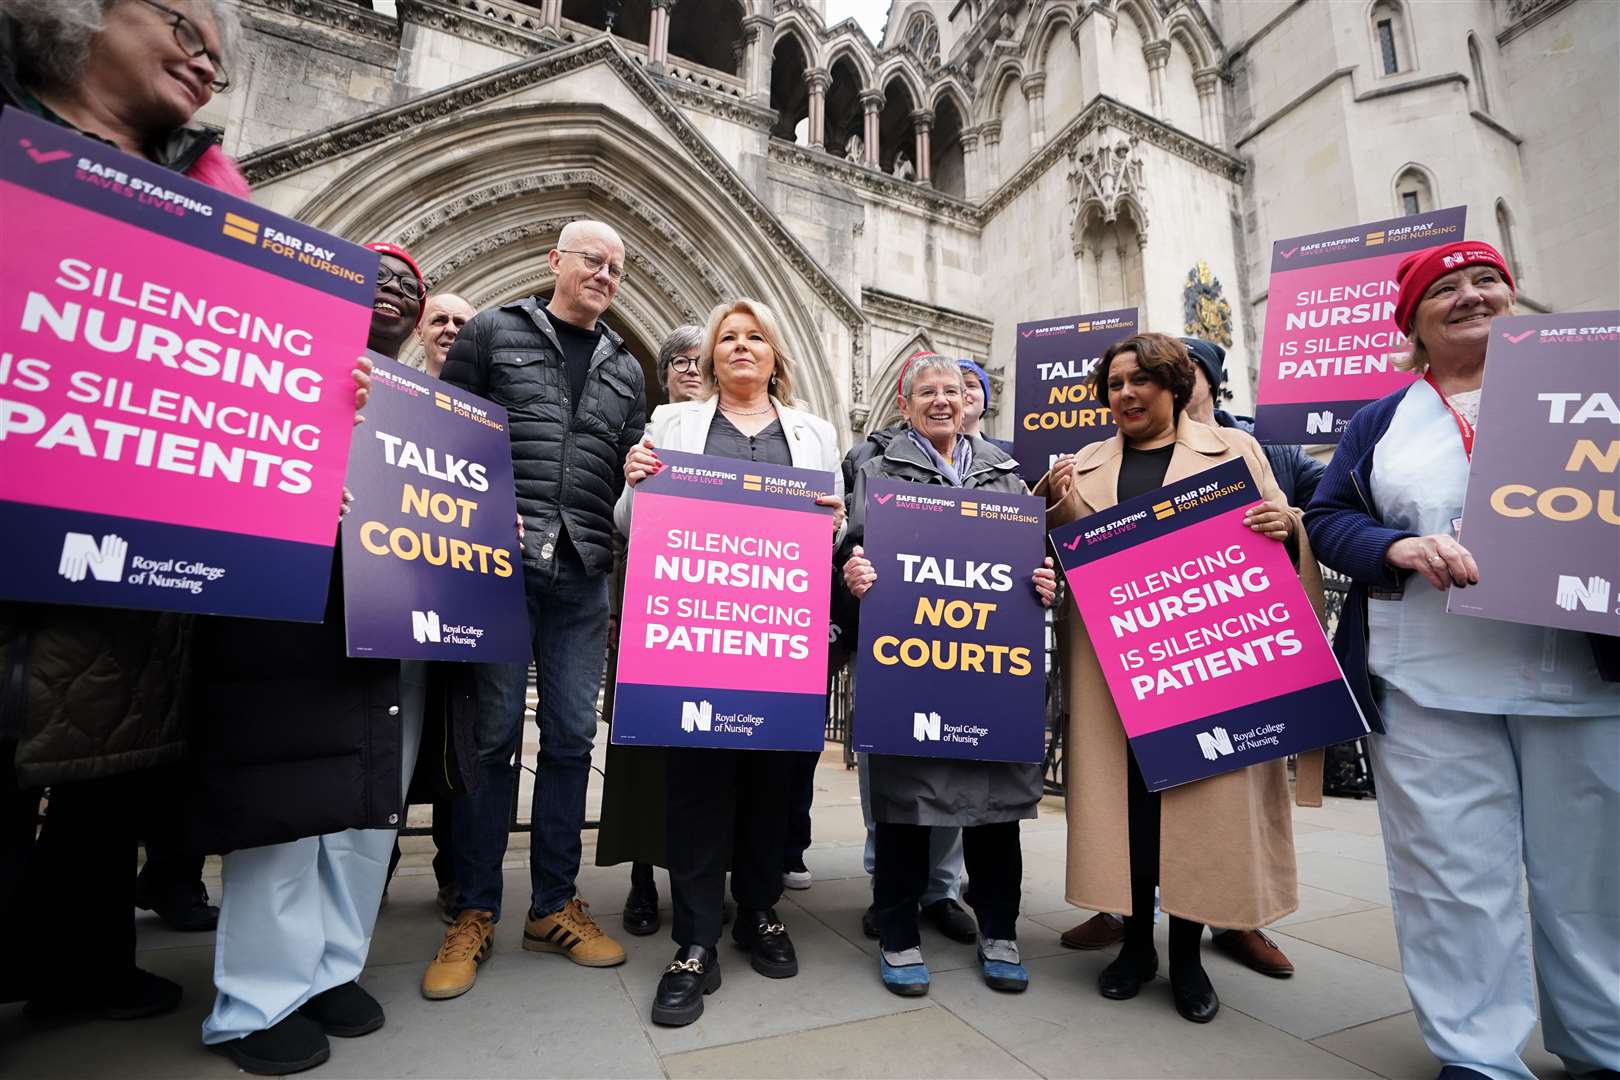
[
  {"x": 911, "y": 795},
  {"x": 1500, "y": 750}
]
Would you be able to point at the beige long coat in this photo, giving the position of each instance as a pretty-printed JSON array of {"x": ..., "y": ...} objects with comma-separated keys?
[{"x": 1226, "y": 843}]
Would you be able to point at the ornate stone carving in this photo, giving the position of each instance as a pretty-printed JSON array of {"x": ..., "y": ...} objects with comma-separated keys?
[
  {"x": 508, "y": 27},
  {"x": 903, "y": 310},
  {"x": 1206, "y": 311},
  {"x": 335, "y": 15},
  {"x": 874, "y": 182},
  {"x": 1105, "y": 111},
  {"x": 1104, "y": 171}
]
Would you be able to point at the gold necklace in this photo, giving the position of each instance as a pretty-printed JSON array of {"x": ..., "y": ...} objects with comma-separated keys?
[{"x": 739, "y": 412}]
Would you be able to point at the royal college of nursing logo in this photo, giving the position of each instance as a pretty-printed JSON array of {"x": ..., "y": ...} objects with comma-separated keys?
[
  {"x": 697, "y": 716},
  {"x": 103, "y": 560},
  {"x": 1215, "y": 743}
]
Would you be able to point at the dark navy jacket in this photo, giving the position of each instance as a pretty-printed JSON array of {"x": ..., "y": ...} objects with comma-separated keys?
[
  {"x": 1296, "y": 471},
  {"x": 1348, "y": 534}
]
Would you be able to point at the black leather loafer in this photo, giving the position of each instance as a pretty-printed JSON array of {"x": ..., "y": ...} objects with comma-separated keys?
[
  {"x": 1194, "y": 995},
  {"x": 694, "y": 972},
  {"x": 1123, "y": 979},
  {"x": 764, "y": 936},
  {"x": 641, "y": 911}
]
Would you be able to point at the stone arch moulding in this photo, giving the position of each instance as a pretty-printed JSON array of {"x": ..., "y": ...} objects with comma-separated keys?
[
  {"x": 522, "y": 169},
  {"x": 846, "y": 47},
  {"x": 951, "y": 89},
  {"x": 996, "y": 85},
  {"x": 1055, "y": 18},
  {"x": 792, "y": 23},
  {"x": 1425, "y": 177},
  {"x": 886, "y": 380},
  {"x": 903, "y": 68},
  {"x": 1144, "y": 15},
  {"x": 1181, "y": 28}
]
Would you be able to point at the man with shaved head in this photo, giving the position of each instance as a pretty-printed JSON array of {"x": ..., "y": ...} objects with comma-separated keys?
[
  {"x": 575, "y": 404},
  {"x": 443, "y": 316}
]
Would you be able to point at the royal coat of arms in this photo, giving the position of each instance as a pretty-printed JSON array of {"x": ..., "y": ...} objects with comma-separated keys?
[{"x": 1208, "y": 315}]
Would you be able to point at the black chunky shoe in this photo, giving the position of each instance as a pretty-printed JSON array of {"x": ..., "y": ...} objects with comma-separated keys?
[
  {"x": 132, "y": 995},
  {"x": 641, "y": 906},
  {"x": 1123, "y": 979},
  {"x": 346, "y": 1011},
  {"x": 693, "y": 973},
  {"x": 763, "y": 935},
  {"x": 184, "y": 906},
  {"x": 295, "y": 1044},
  {"x": 1194, "y": 994},
  {"x": 949, "y": 919}
]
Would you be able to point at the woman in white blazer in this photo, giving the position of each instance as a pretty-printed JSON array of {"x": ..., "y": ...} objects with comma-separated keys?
[{"x": 729, "y": 808}]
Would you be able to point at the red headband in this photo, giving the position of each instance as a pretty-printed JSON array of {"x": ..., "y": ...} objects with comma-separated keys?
[
  {"x": 1421, "y": 269},
  {"x": 384, "y": 248},
  {"x": 900, "y": 384}
]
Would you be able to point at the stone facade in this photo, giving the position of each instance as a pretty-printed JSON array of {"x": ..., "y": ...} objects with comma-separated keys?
[{"x": 988, "y": 162}]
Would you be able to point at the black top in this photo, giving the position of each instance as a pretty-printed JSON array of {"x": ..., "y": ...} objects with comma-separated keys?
[
  {"x": 578, "y": 346},
  {"x": 1142, "y": 471},
  {"x": 769, "y": 446}
]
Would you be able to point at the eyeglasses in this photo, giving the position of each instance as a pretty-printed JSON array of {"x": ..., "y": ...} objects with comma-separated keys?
[
  {"x": 407, "y": 282},
  {"x": 191, "y": 41},
  {"x": 683, "y": 364},
  {"x": 594, "y": 263},
  {"x": 929, "y": 393}
]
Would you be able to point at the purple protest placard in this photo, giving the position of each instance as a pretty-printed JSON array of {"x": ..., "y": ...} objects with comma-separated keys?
[
  {"x": 951, "y": 662},
  {"x": 723, "y": 636},
  {"x": 1331, "y": 341},
  {"x": 1209, "y": 645},
  {"x": 175, "y": 399},
  {"x": 431, "y": 566},
  {"x": 1542, "y": 507},
  {"x": 1057, "y": 412}
]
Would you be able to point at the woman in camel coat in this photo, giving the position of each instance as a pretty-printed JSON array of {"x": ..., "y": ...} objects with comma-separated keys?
[{"x": 1226, "y": 845}]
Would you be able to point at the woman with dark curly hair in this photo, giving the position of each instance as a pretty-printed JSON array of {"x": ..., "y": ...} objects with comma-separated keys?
[{"x": 1219, "y": 850}]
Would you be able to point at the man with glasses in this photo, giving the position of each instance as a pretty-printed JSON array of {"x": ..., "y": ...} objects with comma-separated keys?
[{"x": 575, "y": 402}]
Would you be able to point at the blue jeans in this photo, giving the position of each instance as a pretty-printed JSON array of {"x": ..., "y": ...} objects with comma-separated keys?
[{"x": 568, "y": 617}]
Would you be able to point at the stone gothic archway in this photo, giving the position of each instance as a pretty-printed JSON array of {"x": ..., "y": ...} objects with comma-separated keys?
[{"x": 477, "y": 180}]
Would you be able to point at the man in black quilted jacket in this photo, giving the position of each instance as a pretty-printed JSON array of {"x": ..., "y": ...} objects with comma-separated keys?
[{"x": 575, "y": 401}]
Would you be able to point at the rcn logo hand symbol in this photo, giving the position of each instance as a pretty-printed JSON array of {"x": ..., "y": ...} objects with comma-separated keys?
[{"x": 81, "y": 555}]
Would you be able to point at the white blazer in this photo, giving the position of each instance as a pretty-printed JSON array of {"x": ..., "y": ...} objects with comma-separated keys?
[{"x": 685, "y": 426}]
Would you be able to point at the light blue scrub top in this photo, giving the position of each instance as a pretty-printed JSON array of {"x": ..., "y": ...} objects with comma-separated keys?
[{"x": 1456, "y": 662}]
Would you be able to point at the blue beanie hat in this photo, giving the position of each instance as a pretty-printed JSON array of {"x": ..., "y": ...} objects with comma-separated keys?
[
  {"x": 984, "y": 377},
  {"x": 1209, "y": 356}
]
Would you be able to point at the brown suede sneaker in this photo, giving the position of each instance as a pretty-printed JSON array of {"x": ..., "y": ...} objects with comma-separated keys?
[
  {"x": 573, "y": 933},
  {"x": 466, "y": 945},
  {"x": 1255, "y": 951},
  {"x": 1097, "y": 932}
]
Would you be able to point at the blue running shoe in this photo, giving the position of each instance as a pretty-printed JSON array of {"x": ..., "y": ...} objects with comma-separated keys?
[{"x": 905, "y": 974}]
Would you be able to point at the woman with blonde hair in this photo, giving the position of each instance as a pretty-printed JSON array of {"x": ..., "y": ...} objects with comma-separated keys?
[{"x": 729, "y": 808}]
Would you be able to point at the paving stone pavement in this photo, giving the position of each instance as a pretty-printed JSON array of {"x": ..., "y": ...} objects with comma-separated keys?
[{"x": 1344, "y": 1014}]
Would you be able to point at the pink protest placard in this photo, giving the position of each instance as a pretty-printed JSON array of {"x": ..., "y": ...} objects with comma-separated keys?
[
  {"x": 175, "y": 397},
  {"x": 1209, "y": 644},
  {"x": 1331, "y": 341},
  {"x": 723, "y": 635}
]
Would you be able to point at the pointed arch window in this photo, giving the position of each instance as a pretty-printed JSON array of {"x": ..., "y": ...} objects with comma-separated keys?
[
  {"x": 1476, "y": 62},
  {"x": 1504, "y": 232},
  {"x": 1414, "y": 192},
  {"x": 922, "y": 38},
  {"x": 1392, "y": 46}
]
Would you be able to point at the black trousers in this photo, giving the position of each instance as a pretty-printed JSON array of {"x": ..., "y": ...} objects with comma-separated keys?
[
  {"x": 170, "y": 866},
  {"x": 993, "y": 857},
  {"x": 726, "y": 808},
  {"x": 802, "y": 783},
  {"x": 80, "y": 868},
  {"x": 1144, "y": 808}
]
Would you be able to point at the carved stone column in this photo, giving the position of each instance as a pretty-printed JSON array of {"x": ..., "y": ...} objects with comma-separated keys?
[
  {"x": 872, "y": 103},
  {"x": 756, "y": 62},
  {"x": 970, "y": 163},
  {"x": 1034, "y": 87},
  {"x": 1208, "y": 82},
  {"x": 1157, "y": 54},
  {"x": 992, "y": 153},
  {"x": 922, "y": 125},
  {"x": 818, "y": 81},
  {"x": 658, "y": 34},
  {"x": 551, "y": 16}
]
